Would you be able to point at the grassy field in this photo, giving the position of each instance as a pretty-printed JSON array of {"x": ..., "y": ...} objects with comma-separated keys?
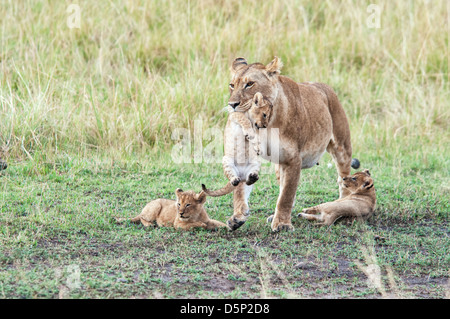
[{"x": 86, "y": 121}]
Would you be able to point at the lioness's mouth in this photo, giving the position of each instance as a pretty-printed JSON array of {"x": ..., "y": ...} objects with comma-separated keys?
[{"x": 244, "y": 107}]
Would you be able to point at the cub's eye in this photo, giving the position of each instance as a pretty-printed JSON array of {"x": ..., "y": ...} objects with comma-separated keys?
[
  {"x": 179, "y": 204},
  {"x": 231, "y": 86},
  {"x": 264, "y": 115},
  {"x": 187, "y": 205},
  {"x": 249, "y": 85},
  {"x": 354, "y": 179}
]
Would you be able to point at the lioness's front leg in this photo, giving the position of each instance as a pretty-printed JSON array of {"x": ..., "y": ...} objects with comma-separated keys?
[{"x": 290, "y": 176}]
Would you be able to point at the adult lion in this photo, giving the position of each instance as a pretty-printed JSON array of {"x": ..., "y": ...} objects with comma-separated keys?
[{"x": 309, "y": 119}]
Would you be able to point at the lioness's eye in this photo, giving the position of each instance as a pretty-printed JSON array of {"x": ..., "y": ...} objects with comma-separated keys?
[
  {"x": 231, "y": 86},
  {"x": 249, "y": 85}
]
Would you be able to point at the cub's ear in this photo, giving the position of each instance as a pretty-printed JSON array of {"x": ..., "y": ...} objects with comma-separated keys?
[
  {"x": 201, "y": 197},
  {"x": 367, "y": 185},
  {"x": 274, "y": 67},
  {"x": 257, "y": 99},
  {"x": 238, "y": 63},
  {"x": 366, "y": 171},
  {"x": 178, "y": 191}
]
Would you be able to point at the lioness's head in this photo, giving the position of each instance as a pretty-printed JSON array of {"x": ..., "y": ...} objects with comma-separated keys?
[
  {"x": 359, "y": 182},
  {"x": 189, "y": 203},
  {"x": 248, "y": 79},
  {"x": 260, "y": 111}
]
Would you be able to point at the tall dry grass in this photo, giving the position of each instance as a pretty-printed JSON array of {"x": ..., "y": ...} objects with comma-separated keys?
[{"x": 135, "y": 70}]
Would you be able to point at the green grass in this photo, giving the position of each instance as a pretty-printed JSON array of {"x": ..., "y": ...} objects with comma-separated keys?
[
  {"x": 87, "y": 115},
  {"x": 63, "y": 216}
]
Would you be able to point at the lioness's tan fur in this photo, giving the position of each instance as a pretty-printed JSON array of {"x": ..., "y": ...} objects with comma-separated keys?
[
  {"x": 310, "y": 120},
  {"x": 360, "y": 203},
  {"x": 186, "y": 212}
]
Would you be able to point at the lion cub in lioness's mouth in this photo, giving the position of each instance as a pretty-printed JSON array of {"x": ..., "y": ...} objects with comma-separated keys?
[
  {"x": 360, "y": 203},
  {"x": 186, "y": 212}
]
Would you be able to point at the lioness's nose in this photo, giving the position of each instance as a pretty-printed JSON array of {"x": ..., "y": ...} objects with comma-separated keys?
[{"x": 234, "y": 104}]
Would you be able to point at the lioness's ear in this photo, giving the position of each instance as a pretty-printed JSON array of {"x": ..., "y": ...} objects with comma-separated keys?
[
  {"x": 201, "y": 197},
  {"x": 366, "y": 171},
  {"x": 274, "y": 67},
  {"x": 257, "y": 99},
  {"x": 238, "y": 63}
]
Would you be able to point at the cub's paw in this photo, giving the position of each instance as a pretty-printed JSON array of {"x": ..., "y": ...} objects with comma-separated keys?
[
  {"x": 249, "y": 137},
  {"x": 311, "y": 211},
  {"x": 120, "y": 220},
  {"x": 257, "y": 149},
  {"x": 235, "y": 181},
  {"x": 252, "y": 178},
  {"x": 269, "y": 219}
]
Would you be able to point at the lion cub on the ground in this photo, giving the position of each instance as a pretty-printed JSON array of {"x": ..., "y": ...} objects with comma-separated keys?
[
  {"x": 240, "y": 162},
  {"x": 360, "y": 203},
  {"x": 186, "y": 212}
]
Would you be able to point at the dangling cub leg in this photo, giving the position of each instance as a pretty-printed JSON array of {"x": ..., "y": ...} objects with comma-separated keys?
[{"x": 240, "y": 204}]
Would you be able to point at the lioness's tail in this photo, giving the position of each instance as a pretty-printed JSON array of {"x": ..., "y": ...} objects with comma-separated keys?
[
  {"x": 220, "y": 192},
  {"x": 355, "y": 163}
]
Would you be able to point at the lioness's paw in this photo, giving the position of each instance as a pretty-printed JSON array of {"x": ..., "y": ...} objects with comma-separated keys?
[
  {"x": 234, "y": 223},
  {"x": 252, "y": 178},
  {"x": 282, "y": 227}
]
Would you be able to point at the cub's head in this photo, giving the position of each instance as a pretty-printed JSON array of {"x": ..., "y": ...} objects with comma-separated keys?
[
  {"x": 260, "y": 111},
  {"x": 248, "y": 79},
  {"x": 359, "y": 182},
  {"x": 189, "y": 203}
]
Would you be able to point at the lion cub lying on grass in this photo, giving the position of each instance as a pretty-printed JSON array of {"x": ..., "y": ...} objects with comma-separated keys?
[
  {"x": 360, "y": 203},
  {"x": 186, "y": 212}
]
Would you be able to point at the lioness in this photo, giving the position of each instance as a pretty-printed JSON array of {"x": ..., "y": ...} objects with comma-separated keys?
[
  {"x": 186, "y": 212},
  {"x": 309, "y": 119},
  {"x": 360, "y": 203}
]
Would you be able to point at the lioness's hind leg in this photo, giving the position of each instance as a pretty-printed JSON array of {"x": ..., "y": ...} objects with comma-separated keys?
[{"x": 342, "y": 156}]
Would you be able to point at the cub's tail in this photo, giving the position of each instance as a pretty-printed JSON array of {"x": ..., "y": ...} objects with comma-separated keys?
[
  {"x": 355, "y": 163},
  {"x": 220, "y": 192},
  {"x": 3, "y": 165}
]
